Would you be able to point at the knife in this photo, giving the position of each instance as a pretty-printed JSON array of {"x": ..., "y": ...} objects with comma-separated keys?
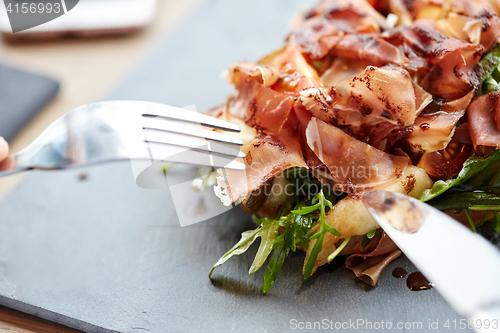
[{"x": 463, "y": 266}]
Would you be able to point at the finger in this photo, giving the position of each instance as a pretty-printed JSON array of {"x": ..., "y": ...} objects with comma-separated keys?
[{"x": 4, "y": 149}]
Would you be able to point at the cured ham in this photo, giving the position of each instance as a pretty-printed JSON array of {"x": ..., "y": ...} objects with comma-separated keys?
[
  {"x": 324, "y": 26},
  {"x": 266, "y": 156},
  {"x": 261, "y": 107},
  {"x": 368, "y": 266},
  {"x": 368, "y": 103},
  {"x": 266, "y": 90},
  {"x": 447, "y": 163},
  {"x": 257, "y": 104},
  {"x": 483, "y": 122},
  {"x": 355, "y": 166},
  {"x": 303, "y": 118},
  {"x": 264, "y": 75},
  {"x": 474, "y": 7},
  {"x": 295, "y": 73},
  {"x": 447, "y": 63},
  {"x": 490, "y": 29},
  {"x": 370, "y": 48},
  {"x": 343, "y": 69},
  {"x": 434, "y": 128},
  {"x": 363, "y": 7},
  {"x": 454, "y": 77}
]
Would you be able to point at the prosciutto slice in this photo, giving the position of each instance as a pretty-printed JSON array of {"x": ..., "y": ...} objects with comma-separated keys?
[
  {"x": 454, "y": 76},
  {"x": 448, "y": 62},
  {"x": 243, "y": 71},
  {"x": 370, "y": 48},
  {"x": 303, "y": 119},
  {"x": 325, "y": 25},
  {"x": 474, "y": 7},
  {"x": 484, "y": 125},
  {"x": 295, "y": 73},
  {"x": 361, "y": 6},
  {"x": 266, "y": 156},
  {"x": 490, "y": 29},
  {"x": 355, "y": 166},
  {"x": 368, "y": 266},
  {"x": 266, "y": 90},
  {"x": 435, "y": 126},
  {"x": 461, "y": 27},
  {"x": 368, "y": 104},
  {"x": 257, "y": 104},
  {"x": 343, "y": 69},
  {"x": 427, "y": 41}
]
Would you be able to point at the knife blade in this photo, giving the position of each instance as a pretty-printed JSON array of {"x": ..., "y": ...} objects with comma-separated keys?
[{"x": 463, "y": 266}]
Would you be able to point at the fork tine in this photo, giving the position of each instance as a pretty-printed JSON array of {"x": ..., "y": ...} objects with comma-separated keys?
[
  {"x": 175, "y": 127},
  {"x": 170, "y": 112},
  {"x": 201, "y": 158},
  {"x": 190, "y": 142}
]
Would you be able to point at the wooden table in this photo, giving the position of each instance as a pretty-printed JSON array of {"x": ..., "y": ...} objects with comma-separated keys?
[{"x": 87, "y": 70}]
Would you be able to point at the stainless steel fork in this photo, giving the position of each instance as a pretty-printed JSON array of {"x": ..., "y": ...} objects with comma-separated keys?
[{"x": 123, "y": 130}]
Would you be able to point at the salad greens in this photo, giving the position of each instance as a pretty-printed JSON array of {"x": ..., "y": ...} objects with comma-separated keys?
[
  {"x": 367, "y": 239},
  {"x": 479, "y": 179},
  {"x": 319, "y": 203},
  {"x": 302, "y": 217},
  {"x": 489, "y": 71},
  {"x": 477, "y": 187},
  {"x": 299, "y": 216},
  {"x": 471, "y": 221}
]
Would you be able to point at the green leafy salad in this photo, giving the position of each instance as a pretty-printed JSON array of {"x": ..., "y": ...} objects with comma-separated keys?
[{"x": 364, "y": 96}]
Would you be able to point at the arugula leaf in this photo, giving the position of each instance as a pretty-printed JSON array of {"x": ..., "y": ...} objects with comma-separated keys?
[
  {"x": 314, "y": 254},
  {"x": 268, "y": 237},
  {"x": 473, "y": 166},
  {"x": 302, "y": 224},
  {"x": 281, "y": 248},
  {"x": 486, "y": 217},
  {"x": 489, "y": 71},
  {"x": 305, "y": 210},
  {"x": 307, "y": 186},
  {"x": 471, "y": 221},
  {"x": 496, "y": 223},
  {"x": 247, "y": 239},
  {"x": 368, "y": 238},
  {"x": 467, "y": 200},
  {"x": 296, "y": 232},
  {"x": 320, "y": 203},
  {"x": 297, "y": 217},
  {"x": 338, "y": 250}
]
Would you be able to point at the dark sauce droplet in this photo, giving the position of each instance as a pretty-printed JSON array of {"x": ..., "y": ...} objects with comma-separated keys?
[
  {"x": 399, "y": 272},
  {"x": 417, "y": 281}
]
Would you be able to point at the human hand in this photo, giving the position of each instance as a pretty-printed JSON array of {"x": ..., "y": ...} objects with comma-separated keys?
[{"x": 4, "y": 149}]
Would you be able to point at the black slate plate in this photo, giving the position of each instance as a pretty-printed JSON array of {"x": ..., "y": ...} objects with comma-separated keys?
[
  {"x": 22, "y": 96},
  {"x": 101, "y": 254}
]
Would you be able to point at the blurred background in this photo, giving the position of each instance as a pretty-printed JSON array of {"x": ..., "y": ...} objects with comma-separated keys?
[{"x": 56, "y": 68}]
